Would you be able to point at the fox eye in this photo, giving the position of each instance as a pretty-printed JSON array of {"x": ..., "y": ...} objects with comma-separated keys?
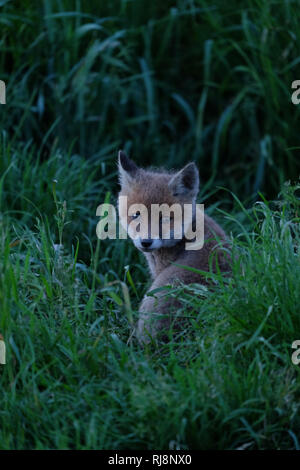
[{"x": 136, "y": 215}]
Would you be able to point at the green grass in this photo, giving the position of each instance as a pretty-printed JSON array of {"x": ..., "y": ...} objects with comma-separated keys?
[
  {"x": 170, "y": 82},
  {"x": 76, "y": 378}
]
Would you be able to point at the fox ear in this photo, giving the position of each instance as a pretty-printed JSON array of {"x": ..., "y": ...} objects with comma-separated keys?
[
  {"x": 186, "y": 181},
  {"x": 127, "y": 169}
]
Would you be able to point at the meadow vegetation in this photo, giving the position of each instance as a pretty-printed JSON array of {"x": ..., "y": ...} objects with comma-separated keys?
[{"x": 169, "y": 82}]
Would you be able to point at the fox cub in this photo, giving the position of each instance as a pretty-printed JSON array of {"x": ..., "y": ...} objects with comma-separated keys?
[{"x": 156, "y": 187}]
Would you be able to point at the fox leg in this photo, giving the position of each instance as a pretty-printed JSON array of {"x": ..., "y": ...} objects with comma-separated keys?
[
  {"x": 155, "y": 315},
  {"x": 157, "y": 310}
]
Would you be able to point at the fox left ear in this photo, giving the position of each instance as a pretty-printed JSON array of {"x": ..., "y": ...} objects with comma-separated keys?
[
  {"x": 127, "y": 168},
  {"x": 186, "y": 181}
]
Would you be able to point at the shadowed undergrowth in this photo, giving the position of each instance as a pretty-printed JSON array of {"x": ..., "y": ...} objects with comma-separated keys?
[{"x": 170, "y": 81}]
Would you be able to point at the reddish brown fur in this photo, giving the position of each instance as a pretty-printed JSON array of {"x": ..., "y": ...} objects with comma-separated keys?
[{"x": 151, "y": 187}]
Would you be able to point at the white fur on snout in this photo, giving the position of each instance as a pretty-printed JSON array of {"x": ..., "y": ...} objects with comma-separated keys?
[{"x": 156, "y": 244}]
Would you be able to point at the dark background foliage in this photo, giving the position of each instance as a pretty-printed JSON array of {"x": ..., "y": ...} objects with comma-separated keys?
[{"x": 169, "y": 81}]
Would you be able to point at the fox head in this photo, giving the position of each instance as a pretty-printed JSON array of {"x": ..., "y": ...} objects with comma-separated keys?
[{"x": 152, "y": 203}]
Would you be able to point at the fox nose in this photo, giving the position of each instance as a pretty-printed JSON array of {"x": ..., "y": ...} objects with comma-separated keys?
[{"x": 146, "y": 243}]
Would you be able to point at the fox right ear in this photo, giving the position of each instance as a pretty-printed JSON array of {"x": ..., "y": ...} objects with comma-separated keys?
[
  {"x": 186, "y": 181},
  {"x": 127, "y": 169}
]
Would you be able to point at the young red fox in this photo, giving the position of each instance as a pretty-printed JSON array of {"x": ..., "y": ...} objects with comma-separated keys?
[{"x": 150, "y": 188}]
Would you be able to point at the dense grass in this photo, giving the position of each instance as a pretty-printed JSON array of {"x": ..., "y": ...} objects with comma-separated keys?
[
  {"x": 75, "y": 377},
  {"x": 170, "y": 81}
]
